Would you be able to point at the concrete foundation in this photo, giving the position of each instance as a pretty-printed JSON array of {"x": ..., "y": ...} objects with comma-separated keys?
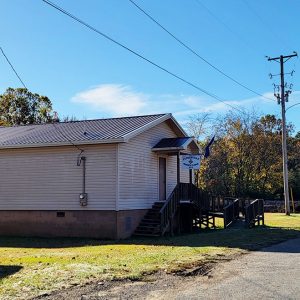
[{"x": 84, "y": 224}]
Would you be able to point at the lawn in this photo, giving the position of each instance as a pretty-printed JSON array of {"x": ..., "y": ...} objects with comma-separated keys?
[{"x": 30, "y": 267}]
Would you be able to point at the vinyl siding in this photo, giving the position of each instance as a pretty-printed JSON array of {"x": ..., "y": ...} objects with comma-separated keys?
[
  {"x": 49, "y": 178},
  {"x": 172, "y": 174},
  {"x": 138, "y": 169}
]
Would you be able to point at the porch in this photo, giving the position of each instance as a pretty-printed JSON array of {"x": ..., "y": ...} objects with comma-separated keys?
[{"x": 187, "y": 207}]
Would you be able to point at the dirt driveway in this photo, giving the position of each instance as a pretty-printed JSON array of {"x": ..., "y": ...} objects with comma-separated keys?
[{"x": 272, "y": 273}]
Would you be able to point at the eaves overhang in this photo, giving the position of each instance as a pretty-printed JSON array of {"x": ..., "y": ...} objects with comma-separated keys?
[{"x": 59, "y": 144}]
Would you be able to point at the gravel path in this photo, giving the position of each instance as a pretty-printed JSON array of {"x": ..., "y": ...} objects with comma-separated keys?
[{"x": 272, "y": 273}]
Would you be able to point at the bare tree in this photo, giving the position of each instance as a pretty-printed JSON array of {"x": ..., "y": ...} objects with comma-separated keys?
[{"x": 199, "y": 125}]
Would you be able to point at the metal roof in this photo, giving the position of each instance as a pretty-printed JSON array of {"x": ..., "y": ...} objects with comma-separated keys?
[
  {"x": 174, "y": 144},
  {"x": 111, "y": 130}
]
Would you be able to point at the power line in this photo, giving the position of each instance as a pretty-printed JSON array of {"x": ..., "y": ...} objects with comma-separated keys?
[
  {"x": 223, "y": 23},
  {"x": 276, "y": 36},
  {"x": 54, "y": 125},
  {"x": 13, "y": 68},
  {"x": 292, "y": 106},
  {"x": 62, "y": 133},
  {"x": 194, "y": 52},
  {"x": 69, "y": 140},
  {"x": 138, "y": 55}
]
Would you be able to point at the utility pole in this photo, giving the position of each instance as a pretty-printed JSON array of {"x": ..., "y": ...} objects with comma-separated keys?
[{"x": 281, "y": 100}]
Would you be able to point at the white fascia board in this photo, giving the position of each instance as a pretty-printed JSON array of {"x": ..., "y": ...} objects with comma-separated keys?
[
  {"x": 186, "y": 144},
  {"x": 135, "y": 132},
  {"x": 169, "y": 149},
  {"x": 152, "y": 124},
  {"x": 189, "y": 141},
  {"x": 183, "y": 147},
  {"x": 77, "y": 143},
  {"x": 179, "y": 126}
]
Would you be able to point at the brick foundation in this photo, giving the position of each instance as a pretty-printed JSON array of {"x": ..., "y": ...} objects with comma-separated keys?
[{"x": 85, "y": 224}]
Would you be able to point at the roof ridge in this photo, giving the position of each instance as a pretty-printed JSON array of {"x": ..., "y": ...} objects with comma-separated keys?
[
  {"x": 113, "y": 118},
  {"x": 88, "y": 120},
  {"x": 109, "y": 130}
]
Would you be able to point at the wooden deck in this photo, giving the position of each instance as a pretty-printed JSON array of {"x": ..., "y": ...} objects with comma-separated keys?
[{"x": 188, "y": 208}]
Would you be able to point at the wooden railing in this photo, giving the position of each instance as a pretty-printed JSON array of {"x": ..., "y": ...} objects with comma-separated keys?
[
  {"x": 169, "y": 209},
  {"x": 254, "y": 213},
  {"x": 182, "y": 192},
  {"x": 202, "y": 201},
  {"x": 218, "y": 203},
  {"x": 231, "y": 212}
]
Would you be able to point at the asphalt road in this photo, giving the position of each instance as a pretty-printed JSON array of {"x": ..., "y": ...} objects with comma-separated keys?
[{"x": 272, "y": 273}]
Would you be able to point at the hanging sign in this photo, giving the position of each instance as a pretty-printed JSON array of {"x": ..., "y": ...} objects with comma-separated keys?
[{"x": 191, "y": 162}]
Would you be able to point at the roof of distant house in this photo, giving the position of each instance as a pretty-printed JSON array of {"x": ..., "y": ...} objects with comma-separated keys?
[{"x": 112, "y": 130}]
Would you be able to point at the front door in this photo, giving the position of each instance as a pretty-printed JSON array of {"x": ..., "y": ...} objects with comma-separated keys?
[{"x": 162, "y": 178}]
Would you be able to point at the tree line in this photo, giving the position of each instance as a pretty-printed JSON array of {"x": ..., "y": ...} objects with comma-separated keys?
[
  {"x": 19, "y": 106},
  {"x": 246, "y": 157}
]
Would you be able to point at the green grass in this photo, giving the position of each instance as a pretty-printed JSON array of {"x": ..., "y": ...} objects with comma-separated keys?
[{"x": 29, "y": 267}]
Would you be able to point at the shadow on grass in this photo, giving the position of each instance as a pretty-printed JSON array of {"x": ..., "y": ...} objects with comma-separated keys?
[
  {"x": 247, "y": 239},
  {"x": 6, "y": 271}
]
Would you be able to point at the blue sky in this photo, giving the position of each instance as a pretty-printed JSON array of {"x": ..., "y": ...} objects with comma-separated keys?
[{"x": 87, "y": 76}]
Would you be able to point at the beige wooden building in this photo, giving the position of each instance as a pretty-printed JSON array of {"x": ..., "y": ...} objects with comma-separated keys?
[{"x": 94, "y": 178}]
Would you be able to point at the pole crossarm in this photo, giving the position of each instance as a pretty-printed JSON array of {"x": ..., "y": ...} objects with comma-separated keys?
[{"x": 283, "y": 57}]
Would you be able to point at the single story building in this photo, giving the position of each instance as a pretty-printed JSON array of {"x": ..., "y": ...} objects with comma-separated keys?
[{"x": 93, "y": 178}]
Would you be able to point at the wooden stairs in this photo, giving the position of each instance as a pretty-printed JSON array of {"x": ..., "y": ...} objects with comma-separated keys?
[
  {"x": 160, "y": 219},
  {"x": 150, "y": 224}
]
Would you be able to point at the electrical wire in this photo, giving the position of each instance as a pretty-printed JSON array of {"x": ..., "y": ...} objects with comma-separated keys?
[
  {"x": 139, "y": 55},
  {"x": 276, "y": 36},
  {"x": 221, "y": 22},
  {"x": 217, "y": 69},
  {"x": 292, "y": 106},
  {"x": 69, "y": 140},
  {"x": 13, "y": 68},
  {"x": 56, "y": 128}
]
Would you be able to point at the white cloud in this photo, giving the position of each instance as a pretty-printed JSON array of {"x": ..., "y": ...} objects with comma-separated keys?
[
  {"x": 195, "y": 104},
  {"x": 114, "y": 99},
  {"x": 121, "y": 100}
]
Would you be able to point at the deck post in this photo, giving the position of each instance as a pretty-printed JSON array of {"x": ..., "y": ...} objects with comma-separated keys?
[
  {"x": 191, "y": 182},
  {"x": 178, "y": 182},
  {"x": 171, "y": 227},
  {"x": 178, "y": 167},
  {"x": 179, "y": 221}
]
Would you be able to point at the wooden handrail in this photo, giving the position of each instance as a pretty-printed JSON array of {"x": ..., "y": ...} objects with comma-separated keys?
[
  {"x": 201, "y": 200},
  {"x": 169, "y": 209},
  {"x": 231, "y": 212},
  {"x": 255, "y": 213},
  {"x": 182, "y": 191}
]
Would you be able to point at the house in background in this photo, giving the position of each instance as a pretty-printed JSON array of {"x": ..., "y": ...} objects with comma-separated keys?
[{"x": 94, "y": 178}]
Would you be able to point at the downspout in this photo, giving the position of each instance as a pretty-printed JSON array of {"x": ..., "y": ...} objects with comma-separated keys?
[
  {"x": 83, "y": 158},
  {"x": 83, "y": 197}
]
